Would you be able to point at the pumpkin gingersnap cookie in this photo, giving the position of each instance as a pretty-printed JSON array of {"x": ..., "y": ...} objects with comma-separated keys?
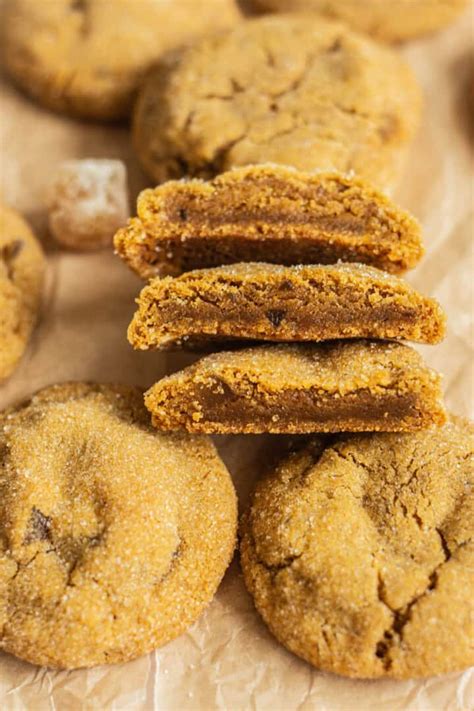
[
  {"x": 358, "y": 552},
  {"x": 288, "y": 89},
  {"x": 22, "y": 267},
  {"x": 87, "y": 57},
  {"x": 272, "y": 303},
  {"x": 267, "y": 213},
  {"x": 113, "y": 537},
  {"x": 393, "y": 21},
  {"x": 329, "y": 387}
]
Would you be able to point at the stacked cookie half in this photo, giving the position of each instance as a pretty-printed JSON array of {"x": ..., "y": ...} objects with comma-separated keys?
[
  {"x": 302, "y": 265},
  {"x": 353, "y": 546}
]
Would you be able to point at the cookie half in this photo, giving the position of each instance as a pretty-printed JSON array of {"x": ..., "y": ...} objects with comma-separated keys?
[
  {"x": 329, "y": 387},
  {"x": 358, "y": 552},
  {"x": 396, "y": 21},
  {"x": 22, "y": 268},
  {"x": 113, "y": 537},
  {"x": 288, "y": 89},
  {"x": 272, "y": 303},
  {"x": 271, "y": 214},
  {"x": 87, "y": 58}
]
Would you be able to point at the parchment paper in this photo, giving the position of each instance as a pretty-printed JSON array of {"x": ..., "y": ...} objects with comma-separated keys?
[{"x": 228, "y": 659}]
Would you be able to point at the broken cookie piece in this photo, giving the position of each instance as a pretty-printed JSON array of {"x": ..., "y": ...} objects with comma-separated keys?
[
  {"x": 22, "y": 268},
  {"x": 267, "y": 213},
  {"x": 330, "y": 387},
  {"x": 273, "y": 303},
  {"x": 358, "y": 552}
]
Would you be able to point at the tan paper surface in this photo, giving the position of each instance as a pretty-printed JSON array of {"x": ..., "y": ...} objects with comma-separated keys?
[{"x": 228, "y": 659}]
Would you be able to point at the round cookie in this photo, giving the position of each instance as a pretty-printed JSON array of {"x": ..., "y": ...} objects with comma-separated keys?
[
  {"x": 288, "y": 89},
  {"x": 358, "y": 552},
  {"x": 113, "y": 537},
  {"x": 22, "y": 266},
  {"x": 87, "y": 57},
  {"x": 393, "y": 21}
]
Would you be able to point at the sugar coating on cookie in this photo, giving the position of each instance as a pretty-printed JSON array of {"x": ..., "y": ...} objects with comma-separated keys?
[
  {"x": 88, "y": 202},
  {"x": 393, "y": 21},
  {"x": 87, "y": 58},
  {"x": 258, "y": 301},
  {"x": 267, "y": 213},
  {"x": 337, "y": 386},
  {"x": 22, "y": 268},
  {"x": 288, "y": 89},
  {"x": 358, "y": 552},
  {"x": 113, "y": 537}
]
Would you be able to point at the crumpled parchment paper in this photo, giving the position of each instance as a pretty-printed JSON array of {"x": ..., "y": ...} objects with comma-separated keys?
[{"x": 228, "y": 659}]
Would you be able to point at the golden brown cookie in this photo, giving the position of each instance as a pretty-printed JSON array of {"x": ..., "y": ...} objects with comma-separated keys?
[
  {"x": 267, "y": 213},
  {"x": 87, "y": 57},
  {"x": 113, "y": 538},
  {"x": 393, "y": 21},
  {"x": 267, "y": 302},
  {"x": 338, "y": 386},
  {"x": 358, "y": 551},
  {"x": 289, "y": 89},
  {"x": 22, "y": 266}
]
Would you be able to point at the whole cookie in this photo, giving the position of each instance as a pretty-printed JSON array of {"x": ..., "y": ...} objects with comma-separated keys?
[
  {"x": 358, "y": 552},
  {"x": 289, "y": 89},
  {"x": 113, "y": 537},
  {"x": 22, "y": 266},
  {"x": 392, "y": 21},
  {"x": 87, "y": 57}
]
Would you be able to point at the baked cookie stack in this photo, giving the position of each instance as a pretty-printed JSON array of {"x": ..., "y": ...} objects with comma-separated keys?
[{"x": 332, "y": 359}]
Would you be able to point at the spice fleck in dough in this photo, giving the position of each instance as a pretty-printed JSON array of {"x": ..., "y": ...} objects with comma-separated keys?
[
  {"x": 22, "y": 267},
  {"x": 273, "y": 303},
  {"x": 358, "y": 551},
  {"x": 87, "y": 57},
  {"x": 267, "y": 213},
  {"x": 393, "y": 21},
  {"x": 289, "y": 89},
  {"x": 329, "y": 387},
  {"x": 113, "y": 537}
]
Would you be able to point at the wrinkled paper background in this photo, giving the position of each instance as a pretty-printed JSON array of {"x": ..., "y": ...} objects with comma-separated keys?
[{"x": 228, "y": 659}]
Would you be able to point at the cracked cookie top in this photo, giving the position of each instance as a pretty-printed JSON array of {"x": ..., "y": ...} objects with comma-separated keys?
[
  {"x": 87, "y": 57},
  {"x": 22, "y": 266},
  {"x": 358, "y": 552},
  {"x": 395, "y": 21},
  {"x": 113, "y": 537},
  {"x": 288, "y": 89}
]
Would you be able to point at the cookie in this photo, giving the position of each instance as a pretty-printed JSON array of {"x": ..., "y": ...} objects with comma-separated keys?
[
  {"x": 272, "y": 303},
  {"x": 113, "y": 537},
  {"x": 87, "y": 57},
  {"x": 270, "y": 214},
  {"x": 358, "y": 552},
  {"x": 288, "y": 89},
  {"x": 393, "y": 21},
  {"x": 22, "y": 267},
  {"x": 337, "y": 386}
]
